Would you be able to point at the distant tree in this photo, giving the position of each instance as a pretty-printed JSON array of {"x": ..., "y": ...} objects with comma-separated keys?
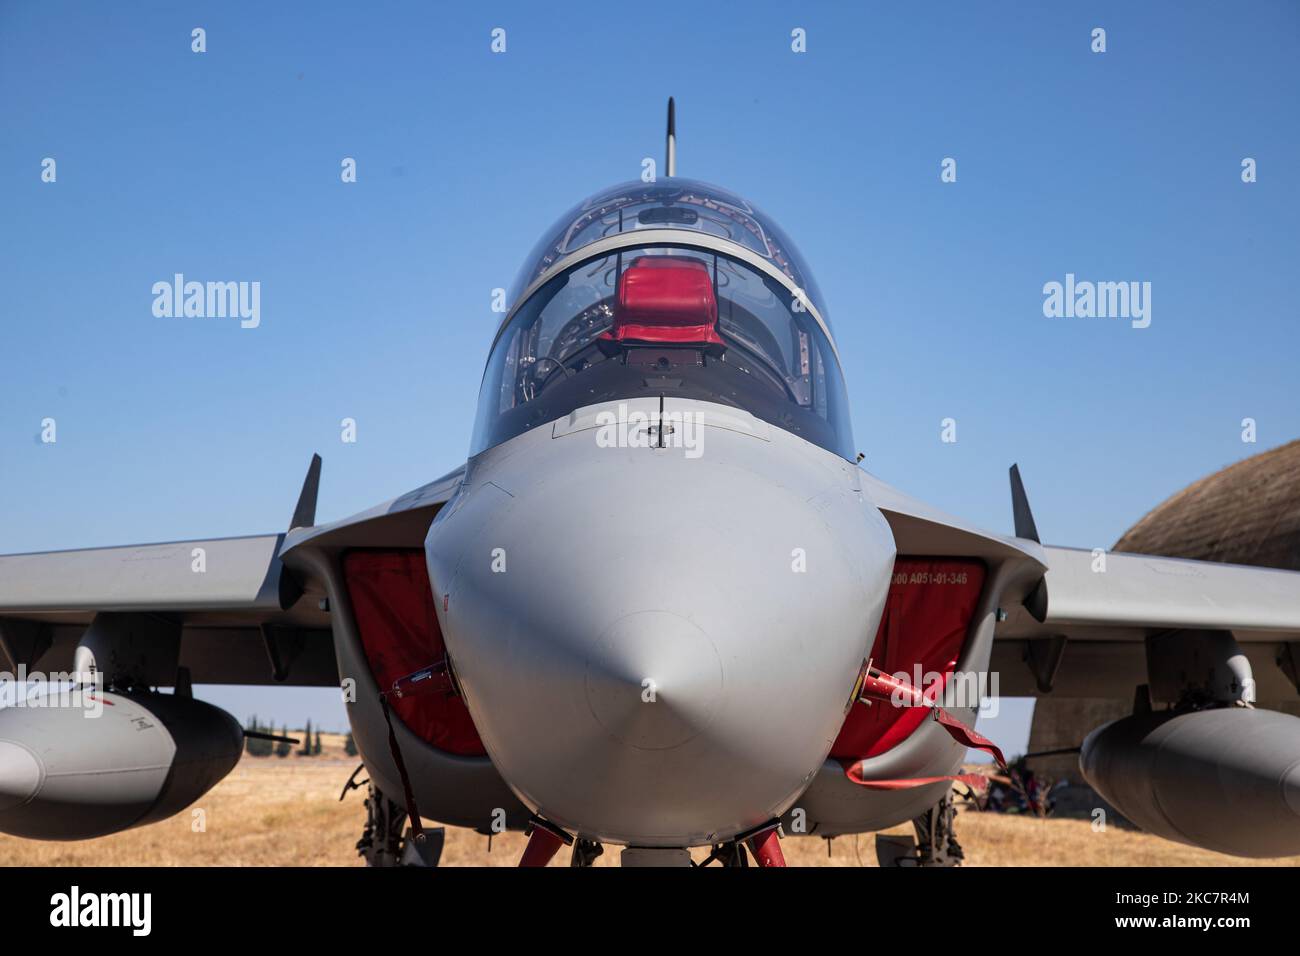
[
  {"x": 316, "y": 748},
  {"x": 283, "y": 748},
  {"x": 306, "y": 742},
  {"x": 350, "y": 746},
  {"x": 257, "y": 748}
]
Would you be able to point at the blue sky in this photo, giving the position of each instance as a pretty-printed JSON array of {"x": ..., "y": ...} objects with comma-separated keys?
[{"x": 1120, "y": 166}]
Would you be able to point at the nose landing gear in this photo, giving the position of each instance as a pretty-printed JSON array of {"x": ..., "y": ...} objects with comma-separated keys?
[
  {"x": 383, "y": 842},
  {"x": 545, "y": 840},
  {"x": 764, "y": 843},
  {"x": 935, "y": 844},
  {"x": 585, "y": 853}
]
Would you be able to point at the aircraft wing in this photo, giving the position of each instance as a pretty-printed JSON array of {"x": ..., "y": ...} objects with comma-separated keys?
[
  {"x": 1081, "y": 632},
  {"x": 1118, "y": 592},
  {"x": 239, "y": 574},
  {"x": 1074, "y": 622},
  {"x": 245, "y": 617}
]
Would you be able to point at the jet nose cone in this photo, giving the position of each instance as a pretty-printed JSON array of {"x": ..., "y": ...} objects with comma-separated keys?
[
  {"x": 653, "y": 680},
  {"x": 20, "y": 775},
  {"x": 662, "y": 649}
]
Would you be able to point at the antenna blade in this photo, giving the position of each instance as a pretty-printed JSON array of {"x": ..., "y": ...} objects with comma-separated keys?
[
  {"x": 671, "y": 164},
  {"x": 304, "y": 514},
  {"x": 1024, "y": 518}
]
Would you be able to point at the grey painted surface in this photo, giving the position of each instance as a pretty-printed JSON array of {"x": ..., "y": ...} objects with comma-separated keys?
[
  {"x": 627, "y": 565},
  {"x": 1225, "y": 779},
  {"x": 1114, "y": 668},
  {"x": 400, "y": 521},
  {"x": 833, "y": 805},
  {"x": 1144, "y": 592},
  {"x": 458, "y": 790},
  {"x": 68, "y": 773},
  {"x": 225, "y": 654},
  {"x": 242, "y": 573},
  {"x": 920, "y": 528}
]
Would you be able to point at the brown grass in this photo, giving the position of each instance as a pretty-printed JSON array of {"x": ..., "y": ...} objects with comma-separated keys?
[{"x": 285, "y": 812}]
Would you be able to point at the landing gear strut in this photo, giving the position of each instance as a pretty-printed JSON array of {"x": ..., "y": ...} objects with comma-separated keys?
[
  {"x": 936, "y": 837},
  {"x": 764, "y": 843},
  {"x": 383, "y": 842},
  {"x": 727, "y": 854},
  {"x": 585, "y": 853},
  {"x": 935, "y": 844}
]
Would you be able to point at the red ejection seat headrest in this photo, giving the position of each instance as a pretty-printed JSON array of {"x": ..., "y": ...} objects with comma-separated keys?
[{"x": 666, "y": 300}]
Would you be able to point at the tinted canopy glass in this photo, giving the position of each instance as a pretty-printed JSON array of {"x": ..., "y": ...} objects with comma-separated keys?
[
  {"x": 667, "y": 204},
  {"x": 670, "y": 321}
]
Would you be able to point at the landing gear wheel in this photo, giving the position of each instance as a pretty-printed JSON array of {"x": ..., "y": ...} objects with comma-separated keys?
[
  {"x": 585, "y": 853},
  {"x": 383, "y": 842},
  {"x": 935, "y": 844},
  {"x": 936, "y": 838},
  {"x": 733, "y": 854},
  {"x": 727, "y": 854}
]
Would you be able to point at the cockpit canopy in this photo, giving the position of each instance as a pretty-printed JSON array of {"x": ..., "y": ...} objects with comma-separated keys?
[
  {"x": 726, "y": 315},
  {"x": 674, "y": 203}
]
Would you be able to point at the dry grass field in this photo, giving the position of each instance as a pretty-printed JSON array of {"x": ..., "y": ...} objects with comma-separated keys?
[{"x": 285, "y": 812}]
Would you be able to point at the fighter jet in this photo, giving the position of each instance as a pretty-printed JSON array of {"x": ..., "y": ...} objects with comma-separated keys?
[{"x": 659, "y": 607}]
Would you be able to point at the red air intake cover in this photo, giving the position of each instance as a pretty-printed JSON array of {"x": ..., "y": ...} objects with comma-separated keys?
[
  {"x": 927, "y": 616},
  {"x": 394, "y": 609},
  {"x": 666, "y": 300}
]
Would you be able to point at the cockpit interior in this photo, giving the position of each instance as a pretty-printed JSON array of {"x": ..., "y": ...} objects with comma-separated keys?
[{"x": 723, "y": 314}]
